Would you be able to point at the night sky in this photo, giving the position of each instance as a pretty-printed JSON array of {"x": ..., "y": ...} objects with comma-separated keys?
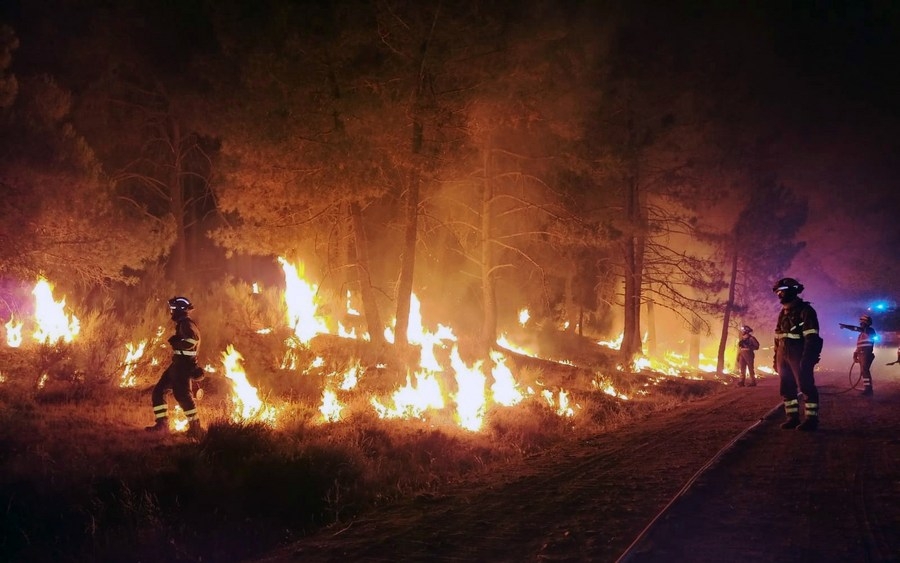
[{"x": 821, "y": 75}]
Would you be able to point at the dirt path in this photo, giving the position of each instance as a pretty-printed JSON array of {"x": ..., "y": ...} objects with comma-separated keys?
[{"x": 774, "y": 495}]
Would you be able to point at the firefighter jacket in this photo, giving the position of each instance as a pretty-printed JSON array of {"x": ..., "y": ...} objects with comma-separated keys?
[
  {"x": 186, "y": 340},
  {"x": 797, "y": 332},
  {"x": 748, "y": 342},
  {"x": 865, "y": 342}
]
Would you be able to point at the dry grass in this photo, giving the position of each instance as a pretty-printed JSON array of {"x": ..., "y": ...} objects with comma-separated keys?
[{"x": 81, "y": 481}]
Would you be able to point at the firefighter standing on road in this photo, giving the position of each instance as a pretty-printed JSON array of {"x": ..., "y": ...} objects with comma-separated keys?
[
  {"x": 798, "y": 348},
  {"x": 180, "y": 373},
  {"x": 864, "y": 354},
  {"x": 747, "y": 347}
]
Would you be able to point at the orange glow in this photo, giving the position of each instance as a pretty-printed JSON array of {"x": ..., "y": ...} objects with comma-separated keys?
[
  {"x": 132, "y": 356},
  {"x": 247, "y": 404},
  {"x": 13, "y": 333},
  {"x": 302, "y": 303},
  {"x": 53, "y": 324}
]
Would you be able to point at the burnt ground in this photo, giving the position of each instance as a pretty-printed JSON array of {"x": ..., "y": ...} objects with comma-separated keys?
[{"x": 713, "y": 480}]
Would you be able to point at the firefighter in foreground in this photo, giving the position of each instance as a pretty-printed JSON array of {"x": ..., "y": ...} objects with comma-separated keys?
[
  {"x": 798, "y": 348},
  {"x": 180, "y": 373},
  {"x": 746, "y": 358},
  {"x": 864, "y": 354}
]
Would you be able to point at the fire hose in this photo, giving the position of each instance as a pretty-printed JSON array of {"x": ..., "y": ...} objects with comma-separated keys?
[{"x": 627, "y": 554}]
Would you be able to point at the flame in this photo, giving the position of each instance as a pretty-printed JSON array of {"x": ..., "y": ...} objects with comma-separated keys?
[
  {"x": 331, "y": 408},
  {"x": 470, "y": 399},
  {"x": 605, "y": 385},
  {"x": 614, "y": 344},
  {"x": 302, "y": 305},
  {"x": 523, "y": 317},
  {"x": 350, "y": 309},
  {"x": 412, "y": 401},
  {"x": 351, "y": 377},
  {"x": 560, "y": 405},
  {"x": 505, "y": 389},
  {"x": 133, "y": 354},
  {"x": 247, "y": 404},
  {"x": 13, "y": 333},
  {"x": 504, "y": 341},
  {"x": 53, "y": 323}
]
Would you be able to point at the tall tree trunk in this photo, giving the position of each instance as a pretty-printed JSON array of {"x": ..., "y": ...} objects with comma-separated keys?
[
  {"x": 407, "y": 262},
  {"x": 411, "y": 212},
  {"x": 729, "y": 306},
  {"x": 488, "y": 290},
  {"x": 634, "y": 265},
  {"x": 370, "y": 302},
  {"x": 634, "y": 253}
]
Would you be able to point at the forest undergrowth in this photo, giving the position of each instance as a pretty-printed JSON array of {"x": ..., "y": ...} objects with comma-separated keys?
[{"x": 81, "y": 479}]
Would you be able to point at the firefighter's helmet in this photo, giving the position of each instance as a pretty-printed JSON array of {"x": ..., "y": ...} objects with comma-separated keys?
[
  {"x": 865, "y": 319},
  {"x": 746, "y": 329},
  {"x": 180, "y": 304},
  {"x": 787, "y": 284}
]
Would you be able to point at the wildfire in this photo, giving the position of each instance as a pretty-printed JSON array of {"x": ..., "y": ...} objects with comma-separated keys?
[
  {"x": 247, "y": 404},
  {"x": 302, "y": 303},
  {"x": 133, "y": 354},
  {"x": 53, "y": 322},
  {"x": 13, "y": 333}
]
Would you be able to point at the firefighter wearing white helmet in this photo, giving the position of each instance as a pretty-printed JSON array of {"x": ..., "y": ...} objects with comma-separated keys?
[
  {"x": 746, "y": 357},
  {"x": 798, "y": 348},
  {"x": 864, "y": 354},
  {"x": 181, "y": 371}
]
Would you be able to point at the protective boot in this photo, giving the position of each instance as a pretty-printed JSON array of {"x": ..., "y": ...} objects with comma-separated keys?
[
  {"x": 867, "y": 390},
  {"x": 194, "y": 431},
  {"x": 752, "y": 382},
  {"x": 809, "y": 424},
  {"x": 741, "y": 382},
  {"x": 161, "y": 426},
  {"x": 793, "y": 421}
]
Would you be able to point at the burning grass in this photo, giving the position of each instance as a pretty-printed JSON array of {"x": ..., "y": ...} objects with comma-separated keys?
[
  {"x": 305, "y": 431},
  {"x": 82, "y": 481}
]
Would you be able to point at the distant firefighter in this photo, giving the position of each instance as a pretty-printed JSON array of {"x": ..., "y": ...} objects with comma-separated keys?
[
  {"x": 798, "y": 348},
  {"x": 180, "y": 373},
  {"x": 746, "y": 357},
  {"x": 864, "y": 354}
]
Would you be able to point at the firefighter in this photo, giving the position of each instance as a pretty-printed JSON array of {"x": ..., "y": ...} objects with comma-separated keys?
[
  {"x": 747, "y": 347},
  {"x": 864, "y": 354},
  {"x": 181, "y": 372},
  {"x": 798, "y": 348}
]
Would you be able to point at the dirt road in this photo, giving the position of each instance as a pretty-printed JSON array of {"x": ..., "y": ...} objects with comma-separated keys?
[{"x": 773, "y": 495}]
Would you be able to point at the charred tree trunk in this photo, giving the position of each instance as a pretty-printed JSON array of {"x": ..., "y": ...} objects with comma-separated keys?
[
  {"x": 729, "y": 306},
  {"x": 634, "y": 261},
  {"x": 407, "y": 262},
  {"x": 370, "y": 302},
  {"x": 411, "y": 212},
  {"x": 488, "y": 290}
]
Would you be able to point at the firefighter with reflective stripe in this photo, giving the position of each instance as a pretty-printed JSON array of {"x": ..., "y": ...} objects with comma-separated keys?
[
  {"x": 864, "y": 354},
  {"x": 798, "y": 348},
  {"x": 181, "y": 371},
  {"x": 746, "y": 357}
]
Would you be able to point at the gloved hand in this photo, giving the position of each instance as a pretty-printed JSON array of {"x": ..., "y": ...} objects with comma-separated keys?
[
  {"x": 198, "y": 374},
  {"x": 855, "y": 357},
  {"x": 173, "y": 339}
]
